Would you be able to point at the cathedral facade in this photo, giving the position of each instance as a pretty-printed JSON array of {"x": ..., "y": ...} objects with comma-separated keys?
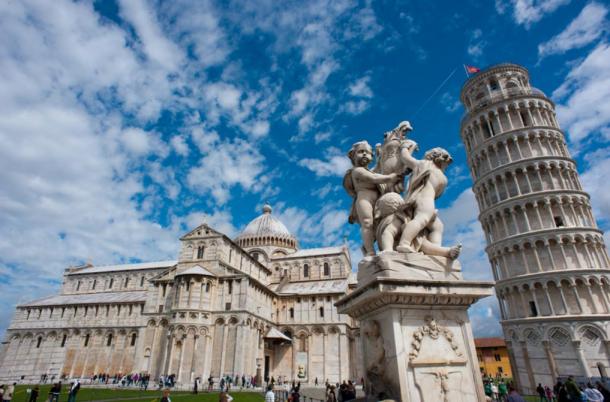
[{"x": 256, "y": 306}]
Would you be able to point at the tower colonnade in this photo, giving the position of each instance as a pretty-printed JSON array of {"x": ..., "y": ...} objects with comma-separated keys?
[{"x": 546, "y": 252}]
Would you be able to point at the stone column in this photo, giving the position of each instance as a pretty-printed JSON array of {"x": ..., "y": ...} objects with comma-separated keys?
[
  {"x": 551, "y": 358},
  {"x": 194, "y": 358},
  {"x": 581, "y": 358}
]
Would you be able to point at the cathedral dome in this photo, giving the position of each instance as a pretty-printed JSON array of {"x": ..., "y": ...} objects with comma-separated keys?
[{"x": 266, "y": 230}]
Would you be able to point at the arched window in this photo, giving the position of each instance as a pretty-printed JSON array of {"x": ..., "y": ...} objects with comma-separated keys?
[
  {"x": 63, "y": 340},
  {"x": 126, "y": 282},
  {"x": 207, "y": 287},
  {"x": 39, "y": 342},
  {"x": 326, "y": 269},
  {"x": 306, "y": 271},
  {"x": 291, "y": 311},
  {"x": 86, "y": 340},
  {"x": 200, "y": 251},
  {"x": 111, "y": 283},
  {"x": 93, "y": 285},
  {"x": 255, "y": 256},
  {"x": 142, "y": 281},
  {"x": 77, "y": 286},
  {"x": 109, "y": 340},
  {"x": 321, "y": 311},
  {"x": 133, "y": 339}
]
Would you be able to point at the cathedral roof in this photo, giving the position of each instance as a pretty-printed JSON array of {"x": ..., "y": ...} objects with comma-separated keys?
[
  {"x": 123, "y": 267},
  {"x": 89, "y": 298},
  {"x": 266, "y": 226},
  {"x": 196, "y": 270}
]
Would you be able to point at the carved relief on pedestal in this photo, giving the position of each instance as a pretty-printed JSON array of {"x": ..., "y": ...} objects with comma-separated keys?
[
  {"x": 438, "y": 365},
  {"x": 375, "y": 361}
]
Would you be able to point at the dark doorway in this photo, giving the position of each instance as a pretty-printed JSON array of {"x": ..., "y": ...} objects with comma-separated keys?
[{"x": 266, "y": 372}]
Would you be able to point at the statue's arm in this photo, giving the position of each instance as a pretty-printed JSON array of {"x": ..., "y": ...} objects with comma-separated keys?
[
  {"x": 407, "y": 158},
  {"x": 375, "y": 178}
]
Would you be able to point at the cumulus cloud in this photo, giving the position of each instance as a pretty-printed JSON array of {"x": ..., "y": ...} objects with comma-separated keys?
[
  {"x": 476, "y": 44},
  {"x": 587, "y": 27},
  {"x": 583, "y": 99},
  {"x": 528, "y": 12},
  {"x": 335, "y": 163}
]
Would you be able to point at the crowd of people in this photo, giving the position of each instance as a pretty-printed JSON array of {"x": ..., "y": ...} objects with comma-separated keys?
[{"x": 568, "y": 391}]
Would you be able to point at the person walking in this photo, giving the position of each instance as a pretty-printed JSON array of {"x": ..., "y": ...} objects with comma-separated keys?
[
  {"x": 549, "y": 394},
  {"x": 34, "y": 394},
  {"x": 7, "y": 396},
  {"x": 513, "y": 396},
  {"x": 540, "y": 391},
  {"x": 166, "y": 397},
  {"x": 73, "y": 391},
  {"x": 605, "y": 392},
  {"x": 54, "y": 392},
  {"x": 269, "y": 396},
  {"x": 593, "y": 395}
]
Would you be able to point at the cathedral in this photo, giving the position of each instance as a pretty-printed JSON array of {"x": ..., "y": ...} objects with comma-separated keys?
[{"x": 256, "y": 305}]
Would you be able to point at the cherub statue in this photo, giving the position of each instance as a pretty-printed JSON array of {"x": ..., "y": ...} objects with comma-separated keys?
[
  {"x": 361, "y": 184},
  {"x": 391, "y": 220},
  {"x": 427, "y": 183}
]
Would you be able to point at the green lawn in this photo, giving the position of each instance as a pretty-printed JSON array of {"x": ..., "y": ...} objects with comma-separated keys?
[{"x": 119, "y": 395}]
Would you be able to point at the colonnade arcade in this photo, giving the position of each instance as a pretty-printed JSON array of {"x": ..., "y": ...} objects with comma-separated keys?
[
  {"x": 515, "y": 146},
  {"x": 564, "y": 294},
  {"x": 546, "y": 252},
  {"x": 560, "y": 349},
  {"x": 506, "y": 117}
]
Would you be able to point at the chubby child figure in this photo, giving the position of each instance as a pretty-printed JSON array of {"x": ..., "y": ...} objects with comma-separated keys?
[{"x": 361, "y": 184}]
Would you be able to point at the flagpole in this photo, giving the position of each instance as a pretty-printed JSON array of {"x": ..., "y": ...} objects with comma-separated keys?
[{"x": 435, "y": 91}]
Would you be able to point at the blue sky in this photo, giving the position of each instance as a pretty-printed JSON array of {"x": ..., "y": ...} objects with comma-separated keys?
[{"x": 125, "y": 123}]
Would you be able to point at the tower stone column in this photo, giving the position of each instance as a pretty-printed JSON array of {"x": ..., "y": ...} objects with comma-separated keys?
[{"x": 547, "y": 255}]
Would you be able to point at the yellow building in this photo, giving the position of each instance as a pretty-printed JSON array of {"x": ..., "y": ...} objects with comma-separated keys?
[{"x": 493, "y": 357}]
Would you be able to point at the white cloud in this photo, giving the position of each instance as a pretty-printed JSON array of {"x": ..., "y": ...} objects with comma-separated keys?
[
  {"x": 583, "y": 100},
  {"x": 155, "y": 44},
  {"x": 335, "y": 163},
  {"x": 322, "y": 136},
  {"x": 476, "y": 44},
  {"x": 179, "y": 145},
  {"x": 325, "y": 227},
  {"x": 595, "y": 182},
  {"x": 450, "y": 103},
  {"x": 226, "y": 165},
  {"x": 462, "y": 227},
  {"x": 356, "y": 107},
  {"x": 528, "y": 12},
  {"x": 587, "y": 27},
  {"x": 361, "y": 88}
]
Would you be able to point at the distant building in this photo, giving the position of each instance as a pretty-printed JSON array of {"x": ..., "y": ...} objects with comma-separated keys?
[
  {"x": 255, "y": 306},
  {"x": 493, "y": 357}
]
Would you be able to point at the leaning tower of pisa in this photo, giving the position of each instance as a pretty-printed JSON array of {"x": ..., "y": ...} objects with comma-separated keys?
[{"x": 547, "y": 255}]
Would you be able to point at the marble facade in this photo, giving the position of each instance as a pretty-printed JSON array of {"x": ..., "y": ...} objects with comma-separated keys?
[
  {"x": 547, "y": 254},
  {"x": 255, "y": 305}
]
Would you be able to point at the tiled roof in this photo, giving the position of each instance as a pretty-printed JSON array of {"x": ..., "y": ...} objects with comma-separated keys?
[
  {"x": 313, "y": 287},
  {"x": 489, "y": 342},
  {"x": 313, "y": 252},
  {"x": 89, "y": 298},
  {"x": 196, "y": 270},
  {"x": 124, "y": 267}
]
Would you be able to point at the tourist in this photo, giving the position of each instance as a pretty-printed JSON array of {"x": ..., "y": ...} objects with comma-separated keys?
[
  {"x": 165, "y": 397},
  {"x": 195, "y": 386},
  {"x": 223, "y": 397},
  {"x": 494, "y": 391},
  {"x": 561, "y": 392},
  {"x": 573, "y": 389},
  {"x": 316, "y": 382},
  {"x": 593, "y": 395},
  {"x": 34, "y": 394},
  {"x": 73, "y": 391},
  {"x": 7, "y": 395},
  {"x": 605, "y": 392},
  {"x": 54, "y": 392},
  {"x": 269, "y": 396},
  {"x": 502, "y": 391},
  {"x": 513, "y": 395},
  {"x": 541, "y": 393},
  {"x": 549, "y": 393},
  {"x": 487, "y": 388},
  {"x": 330, "y": 394}
]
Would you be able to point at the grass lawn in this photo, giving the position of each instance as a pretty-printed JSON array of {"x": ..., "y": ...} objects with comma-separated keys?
[{"x": 118, "y": 395}]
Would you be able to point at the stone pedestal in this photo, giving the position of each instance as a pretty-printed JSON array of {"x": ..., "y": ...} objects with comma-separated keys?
[{"x": 416, "y": 335}]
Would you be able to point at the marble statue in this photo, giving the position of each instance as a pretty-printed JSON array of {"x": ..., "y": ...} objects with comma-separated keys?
[
  {"x": 361, "y": 185},
  {"x": 411, "y": 300},
  {"x": 406, "y": 223}
]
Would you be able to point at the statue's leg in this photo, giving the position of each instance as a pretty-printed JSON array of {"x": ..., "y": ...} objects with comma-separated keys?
[
  {"x": 364, "y": 208},
  {"x": 412, "y": 229},
  {"x": 436, "y": 228},
  {"x": 386, "y": 242}
]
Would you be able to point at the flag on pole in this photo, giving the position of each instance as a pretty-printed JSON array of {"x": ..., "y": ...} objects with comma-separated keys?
[{"x": 471, "y": 69}]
